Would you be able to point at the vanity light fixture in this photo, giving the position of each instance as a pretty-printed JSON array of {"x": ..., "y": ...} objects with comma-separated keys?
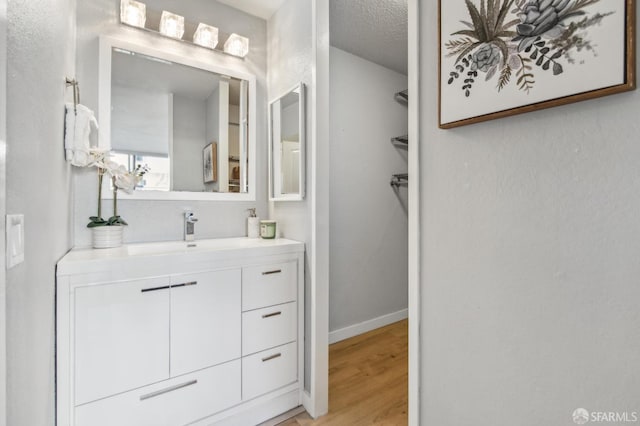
[
  {"x": 206, "y": 36},
  {"x": 172, "y": 25},
  {"x": 133, "y": 13},
  {"x": 237, "y": 45}
]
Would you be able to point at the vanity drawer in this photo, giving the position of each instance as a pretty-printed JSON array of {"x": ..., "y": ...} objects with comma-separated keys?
[
  {"x": 269, "y": 370},
  {"x": 173, "y": 402},
  {"x": 268, "y": 285},
  {"x": 269, "y": 327}
]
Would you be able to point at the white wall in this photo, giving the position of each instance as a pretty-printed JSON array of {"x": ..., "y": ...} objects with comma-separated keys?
[
  {"x": 530, "y": 242},
  {"x": 213, "y": 126},
  {"x": 189, "y": 139},
  {"x": 290, "y": 62},
  {"x": 3, "y": 195},
  {"x": 368, "y": 237},
  {"x": 162, "y": 220},
  {"x": 40, "y": 55}
]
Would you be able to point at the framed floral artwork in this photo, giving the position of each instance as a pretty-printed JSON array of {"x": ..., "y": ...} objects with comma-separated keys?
[
  {"x": 504, "y": 57},
  {"x": 210, "y": 162}
]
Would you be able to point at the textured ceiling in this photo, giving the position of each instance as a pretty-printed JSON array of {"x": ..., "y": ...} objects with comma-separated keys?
[
  {"x": 260, "y": 8},
  {"x": 375, "y": 30}
]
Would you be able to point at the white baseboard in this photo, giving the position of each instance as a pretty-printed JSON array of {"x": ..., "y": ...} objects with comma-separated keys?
[
  {"x": 256, "y": 411},
  {"x": 363, "y": 327},
  {"x": 284, "y": 417}
]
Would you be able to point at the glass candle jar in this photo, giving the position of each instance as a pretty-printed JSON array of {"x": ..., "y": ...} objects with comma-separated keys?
[{"x": 268, "y": 229}]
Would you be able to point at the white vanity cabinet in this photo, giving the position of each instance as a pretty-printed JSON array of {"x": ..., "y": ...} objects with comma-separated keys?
[{"x": 166, "y": 334}]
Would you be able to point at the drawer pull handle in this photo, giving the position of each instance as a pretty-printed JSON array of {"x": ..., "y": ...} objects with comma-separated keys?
[
  {"x": 269, "y": 358},
  {"x": 275, "y": 271},
  {"x": 147, "y": 290},
  {"x": 273, "y": 314},
  {"x": 167, "y": 390},
  {"x": 185, "y": 284}
]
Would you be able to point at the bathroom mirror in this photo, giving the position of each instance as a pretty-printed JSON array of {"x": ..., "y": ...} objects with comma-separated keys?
[
  {"x": 287, "y": 146},
  {"x": 191, "y": 123}
]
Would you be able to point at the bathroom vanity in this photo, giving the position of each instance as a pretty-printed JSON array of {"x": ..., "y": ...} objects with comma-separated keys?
[{"x": 176, "y": 333}]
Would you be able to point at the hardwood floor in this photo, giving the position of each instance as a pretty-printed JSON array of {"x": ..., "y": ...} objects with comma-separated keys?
[{"x": 367, "y": 380}]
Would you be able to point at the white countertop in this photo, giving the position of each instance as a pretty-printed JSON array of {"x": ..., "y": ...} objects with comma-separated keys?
[{"x": 79, "y": 261}]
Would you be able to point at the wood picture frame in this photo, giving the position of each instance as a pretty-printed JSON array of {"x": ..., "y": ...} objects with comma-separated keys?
[
  {"x": 210, "y": 162},
  {"x": 498, "y": 58}
]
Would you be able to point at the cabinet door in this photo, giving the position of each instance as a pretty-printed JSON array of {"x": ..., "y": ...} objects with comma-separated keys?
[
  {"x": 205, "y": 320},
  {"x": 121, "y": 337}
]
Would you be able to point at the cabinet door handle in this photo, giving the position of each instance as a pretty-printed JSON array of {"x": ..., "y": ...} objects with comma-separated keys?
[
  {"x": 273, "y": 314},
  {"x": 167, "y": 390},
  {"x": 275, "y": 271},
  {"x": 164, "y": 287},
  {"x": 185, "y": 284},
  {"x": 269, "y": 358}
]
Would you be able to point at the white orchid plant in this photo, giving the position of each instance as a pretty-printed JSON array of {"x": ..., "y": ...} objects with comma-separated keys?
[{"x": 121, "y": 178}]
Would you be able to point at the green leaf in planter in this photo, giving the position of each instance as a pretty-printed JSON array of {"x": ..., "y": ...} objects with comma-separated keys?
[
  {"x": 96, "y": 221},
  {"x": 116, "y": 220}
]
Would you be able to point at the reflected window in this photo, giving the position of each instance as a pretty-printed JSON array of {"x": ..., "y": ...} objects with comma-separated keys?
[{"x": 158, "y": 178}]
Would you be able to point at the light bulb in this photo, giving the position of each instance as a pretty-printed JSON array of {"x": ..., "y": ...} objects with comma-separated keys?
[
  {"x": 206, "y": 36},
  {"x": 133, "y": 13},
  {"x": 172, "y": 25},
  {"x": 237, "y": 45}
]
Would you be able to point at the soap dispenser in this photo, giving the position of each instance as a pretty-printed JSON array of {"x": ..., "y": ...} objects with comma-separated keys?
[{"x": 253, "y": 224}]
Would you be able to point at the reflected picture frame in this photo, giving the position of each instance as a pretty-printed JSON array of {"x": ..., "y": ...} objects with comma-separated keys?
[
  {"x": 210, "y": 163},
  {"x": 499, "y": 58}
]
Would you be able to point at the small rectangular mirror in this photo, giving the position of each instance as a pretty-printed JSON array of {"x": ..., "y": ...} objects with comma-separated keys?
[{"x": 287, "y": 146}]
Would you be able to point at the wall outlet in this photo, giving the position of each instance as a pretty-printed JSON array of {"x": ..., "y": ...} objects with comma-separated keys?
[{"x": 15, "y": 239}]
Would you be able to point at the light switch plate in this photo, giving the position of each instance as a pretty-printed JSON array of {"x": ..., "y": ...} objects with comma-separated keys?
[{"x": 15, "y": 239}]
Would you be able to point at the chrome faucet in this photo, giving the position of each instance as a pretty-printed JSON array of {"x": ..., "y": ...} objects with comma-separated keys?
[{"x": 189, "y": 226}]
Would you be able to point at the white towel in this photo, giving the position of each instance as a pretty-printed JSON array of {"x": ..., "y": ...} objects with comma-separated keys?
[{"x": 79, "y": 122}]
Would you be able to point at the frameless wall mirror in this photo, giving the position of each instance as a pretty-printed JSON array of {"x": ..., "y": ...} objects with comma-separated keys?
[
  {"x": 191, "y": 123},
  {"x": 287, "y": 146}
]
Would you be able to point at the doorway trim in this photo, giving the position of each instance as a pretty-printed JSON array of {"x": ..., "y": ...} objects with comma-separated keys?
[
  {"x": 317, "y": 401},
  {"x": 415, "y": 344},
  {"x": 3, "y": 203}
]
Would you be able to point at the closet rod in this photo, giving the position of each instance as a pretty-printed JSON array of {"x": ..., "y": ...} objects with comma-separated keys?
[
  {"x": 402, "y": 97},
  {"x": 399, "y": 179},
  {"x": 401, "y": 140}
]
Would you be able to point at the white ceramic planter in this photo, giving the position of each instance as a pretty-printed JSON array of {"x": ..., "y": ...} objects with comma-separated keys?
[{"x": 107, "y": 236}]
